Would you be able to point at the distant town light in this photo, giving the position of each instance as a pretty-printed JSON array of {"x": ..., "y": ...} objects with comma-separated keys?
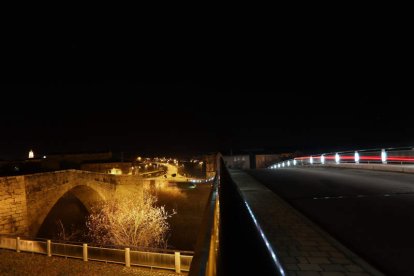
[
  {"x": 288, "y": 163},
  {"x": 278, "y": 165},
  {"x": 115, "y": 171},
  {"x": 44, "y": 156},
  {"x": 384, "y": 156},
  {"x": 311, "y": 160},
  {"x": 139, "y": 158},
  {"x": 283, "y": 164},
  {"x": 323, "y": 159},
  {"x": 356, "y": 157},
  {"x": 31, "y": 154},
  {"x": 294, "y": 162},
  {"x": 337, "y": 158}
]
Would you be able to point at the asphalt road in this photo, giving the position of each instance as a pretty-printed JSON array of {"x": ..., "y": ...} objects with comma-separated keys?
[{"x": 370, "y": 212}]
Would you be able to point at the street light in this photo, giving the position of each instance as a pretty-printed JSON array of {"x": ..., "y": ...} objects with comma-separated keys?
[
  {"x": 337, "y": 158},
  {"x": 356, "y": 157},
  {"x": 383, "y": 156}
]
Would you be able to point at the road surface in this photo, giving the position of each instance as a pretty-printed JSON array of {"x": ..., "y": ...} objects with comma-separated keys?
[
  {"x": 171, "y": 170},
  {"x": 370, "y": 212}
]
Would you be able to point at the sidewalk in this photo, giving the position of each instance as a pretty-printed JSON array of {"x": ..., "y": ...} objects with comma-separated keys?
[
  {"x": 13, "y": 263},
  {"x": 302, "y": 247}
]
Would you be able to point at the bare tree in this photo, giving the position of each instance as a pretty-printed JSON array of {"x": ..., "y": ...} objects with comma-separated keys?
[{"x": 130, "y": 220}]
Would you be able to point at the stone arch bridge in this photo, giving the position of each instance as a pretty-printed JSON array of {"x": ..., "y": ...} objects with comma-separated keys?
[{"x": 26, "y": 200}]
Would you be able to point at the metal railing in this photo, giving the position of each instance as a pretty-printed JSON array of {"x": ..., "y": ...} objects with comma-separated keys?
[
  {"x": 230, "y": 243},
  {"x": 171, "y": 260},
  {"x": 392, "y": 156},
  {"x": 206, "y": 255}
]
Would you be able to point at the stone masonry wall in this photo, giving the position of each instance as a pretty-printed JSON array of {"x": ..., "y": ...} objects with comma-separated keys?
[
  {"x": 13, "y": 209},
  {"x": 26, "y": 200}
]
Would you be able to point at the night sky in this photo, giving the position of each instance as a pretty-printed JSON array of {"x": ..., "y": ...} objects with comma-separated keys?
[{"x": 177, "y": 93}]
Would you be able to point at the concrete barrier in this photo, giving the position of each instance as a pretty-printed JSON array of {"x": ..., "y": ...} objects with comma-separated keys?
[{"x": 374, "y": 167}]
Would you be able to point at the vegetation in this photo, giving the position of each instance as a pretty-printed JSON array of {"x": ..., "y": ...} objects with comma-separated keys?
[{"x": 129, "y": 220}]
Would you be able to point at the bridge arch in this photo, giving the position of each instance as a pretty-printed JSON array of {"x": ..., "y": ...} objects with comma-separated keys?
[
  {"x": 88, "y": 195},
  {"x": 30, "y": 198}
]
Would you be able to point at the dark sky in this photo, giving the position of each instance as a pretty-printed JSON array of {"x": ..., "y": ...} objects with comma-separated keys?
[{"x": 186, "y": 93}]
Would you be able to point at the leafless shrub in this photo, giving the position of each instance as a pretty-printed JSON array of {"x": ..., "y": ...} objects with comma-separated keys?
[
  {"x": 129, "y": 220},
  {"x": 71, "y": 234}
]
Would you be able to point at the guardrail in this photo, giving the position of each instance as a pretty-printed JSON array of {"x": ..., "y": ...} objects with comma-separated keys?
[
  {"x": 393, "y": 156},
  {"x": 230, "y": 242},
  {"x": 206, "y": 254},
  {"x": 171, "y": 260}
]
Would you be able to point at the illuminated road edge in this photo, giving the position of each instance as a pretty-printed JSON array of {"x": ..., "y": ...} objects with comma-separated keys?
[
  {"x": 393, "y": 156},
  {"x": 269, "y": 247}
]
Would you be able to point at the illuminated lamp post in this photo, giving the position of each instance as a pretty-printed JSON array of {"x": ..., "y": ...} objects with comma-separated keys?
[
  {"x": 383, "y": 156},
  {"x": 356, "y": 157},
  {"x": 337, "y": 158}
]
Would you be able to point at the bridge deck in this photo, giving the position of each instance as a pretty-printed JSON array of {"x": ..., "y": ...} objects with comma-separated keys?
[{"x": 303, "y": 248}]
